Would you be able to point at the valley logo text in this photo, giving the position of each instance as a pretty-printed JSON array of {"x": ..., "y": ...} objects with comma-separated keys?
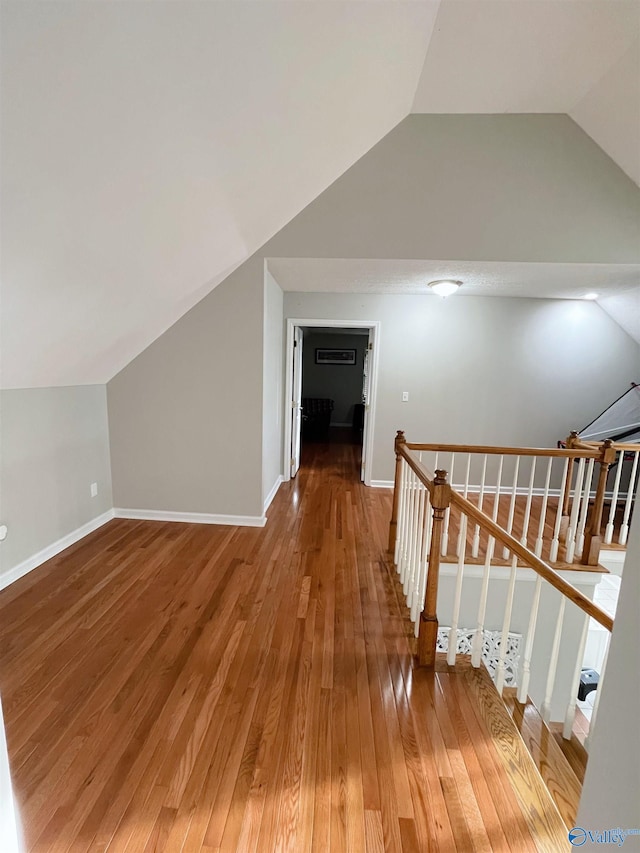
[{"x": 579, "y": 836}]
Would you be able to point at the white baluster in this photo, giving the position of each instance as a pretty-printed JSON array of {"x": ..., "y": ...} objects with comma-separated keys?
[
  {"x": 414, "y": 601},
  {"x": 496, "y": 503},
  {"x": 586, "y": 493},
  {"x": 512, "y": 505},
  {"x": 413, "y": 522},
  {"x": 523, "y": 689},
  {"x": 527, "y": 509},
  {"x": 424, "y": 566},
  {"x": 404, "y": 556},
  {"x": 416, "y": 546},
  {"x": 475, "y": 547},
  {"x": 445, "y": 525},
  {"x": 504, "y": 637},
  {"x": 478, "y": 637},
  {"x": 571, "y": 707},
  {"x": 453, "y": 634},
  {"x": 624, "y": 529},
  {"x": 608, "y": 533},
  {"x": 464, "y": 495},
  {"x": 402, "y": 515},
  {"x": 543, "y": 509},
  {"x": 555, "y": 542},
  {"x": 553, "y": 663},
  {"x": 575, "y": 509},
  {"x": 596, "y": 703}
]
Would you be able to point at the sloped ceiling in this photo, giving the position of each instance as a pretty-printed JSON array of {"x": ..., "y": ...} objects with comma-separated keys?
[
  {"x": 149, "y": 148},
  {"x": 541, "y": 56}
]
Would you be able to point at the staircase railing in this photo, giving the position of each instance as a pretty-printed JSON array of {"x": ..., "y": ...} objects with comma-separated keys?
[
  {"x": 427, "y": 512},
  {"x": 620, "y": 487}
]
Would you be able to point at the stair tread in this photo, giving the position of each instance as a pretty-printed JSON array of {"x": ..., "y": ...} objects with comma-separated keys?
[
  {"x": 544, "y": 818},
  {"x": 560, "y": 773}
]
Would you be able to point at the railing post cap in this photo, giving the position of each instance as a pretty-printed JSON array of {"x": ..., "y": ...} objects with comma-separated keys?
[{"x": 441, "y": 476}]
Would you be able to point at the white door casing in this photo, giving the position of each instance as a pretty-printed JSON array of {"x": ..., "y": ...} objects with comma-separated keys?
[
  {"x": 371, "y": 387},
  {"x": 296, "y": 400}
]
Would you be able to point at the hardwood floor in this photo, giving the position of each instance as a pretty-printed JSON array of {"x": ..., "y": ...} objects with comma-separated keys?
[{"x": 174, "y": 687}]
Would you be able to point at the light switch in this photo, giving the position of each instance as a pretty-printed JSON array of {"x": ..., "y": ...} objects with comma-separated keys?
[{"x": 405, "y": 396}]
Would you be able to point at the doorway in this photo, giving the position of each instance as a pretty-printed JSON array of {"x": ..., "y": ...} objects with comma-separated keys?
[{"x": 332, "y": 367}]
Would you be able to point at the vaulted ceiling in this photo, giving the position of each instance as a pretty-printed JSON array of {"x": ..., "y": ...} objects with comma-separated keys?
[{"x": 149, "y": 148}]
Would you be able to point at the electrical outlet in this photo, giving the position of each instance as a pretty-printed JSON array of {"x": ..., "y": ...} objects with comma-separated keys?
[
  {"x": 405, "y": 396},
  {"x": 94, "y": 490}
]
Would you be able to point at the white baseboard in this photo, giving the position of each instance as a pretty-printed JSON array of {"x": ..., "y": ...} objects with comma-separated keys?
[
  {"x": 274, "y": 490},
  {"x": 382, "y": 484},
  {"x": 54, "y": 549},
  {"x": 191, "y": 517}
]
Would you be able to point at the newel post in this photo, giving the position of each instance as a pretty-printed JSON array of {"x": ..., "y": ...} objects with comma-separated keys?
[
  {"x": 593, "y": 537},
  {"x": 566, "y": 499},
  {"x": 427, "y": 638},
  {"x": 393, "y": 525}
]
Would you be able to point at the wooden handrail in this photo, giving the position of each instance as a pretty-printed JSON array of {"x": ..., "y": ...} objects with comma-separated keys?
[
  {"x": 558, "y": 452},
  {"x": 530, "y": 560},
  {"x": 617, "y": 445}
]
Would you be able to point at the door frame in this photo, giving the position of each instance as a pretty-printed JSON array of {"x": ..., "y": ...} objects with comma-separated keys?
[{"x": 374, "y": 338}]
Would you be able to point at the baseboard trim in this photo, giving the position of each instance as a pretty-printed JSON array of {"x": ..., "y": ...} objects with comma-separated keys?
[
  {"x": 53, "y": 550},
  {"x": 274, "y": 491},
  {"x": 382, "y": 484},
  {"x": 191, "y": 517}
]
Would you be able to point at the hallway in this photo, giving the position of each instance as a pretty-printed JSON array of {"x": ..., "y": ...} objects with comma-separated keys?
[{"x": 174, "y": 687}]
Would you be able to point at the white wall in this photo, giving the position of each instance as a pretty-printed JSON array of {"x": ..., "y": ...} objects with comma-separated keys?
[
  {"x": 54, "y": 444},
  {"x": 483, "y": 370},
  {"x": 611, "y": 792},
  {"x": 272, "y": 386}
]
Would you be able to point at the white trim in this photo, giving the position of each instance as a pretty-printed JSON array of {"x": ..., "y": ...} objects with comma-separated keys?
[
  {"x": 382, "y": 484},
  {"x": 191, "y": 517},
  {"x": 274, "y": 490},
  {"x": 374, "y": 338},
  {"x": 54, "y": 549}
]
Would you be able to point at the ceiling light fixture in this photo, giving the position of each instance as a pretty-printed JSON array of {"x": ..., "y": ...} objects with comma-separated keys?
[
  {"x": 444, "y": 287},
  {"x": 591, "y": 296}
]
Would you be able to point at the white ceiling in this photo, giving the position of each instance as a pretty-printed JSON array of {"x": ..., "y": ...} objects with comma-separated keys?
[
  {"x": 149, "y": 148},
  {"x": 617, "y": 284}
]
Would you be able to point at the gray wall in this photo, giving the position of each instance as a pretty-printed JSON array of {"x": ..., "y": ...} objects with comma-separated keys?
[
  {"x": 340, "y": 382},
  {"x": 483, "y": 370},
  {"x": 610, "y": 796},
  {"x": 186, "y": 415},
  {"x": 272, "y": 389},
  {"x": 474, "y": 187},
  {"x": 54, "y": 444}
]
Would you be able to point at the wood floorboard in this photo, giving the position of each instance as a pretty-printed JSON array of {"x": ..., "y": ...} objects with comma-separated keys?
[{"x": 178, "y": 687}]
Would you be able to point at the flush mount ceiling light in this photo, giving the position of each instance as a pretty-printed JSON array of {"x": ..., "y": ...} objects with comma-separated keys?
[
  {"x": 591, "y": 296},
  {"x": 444, "y": 287}
]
